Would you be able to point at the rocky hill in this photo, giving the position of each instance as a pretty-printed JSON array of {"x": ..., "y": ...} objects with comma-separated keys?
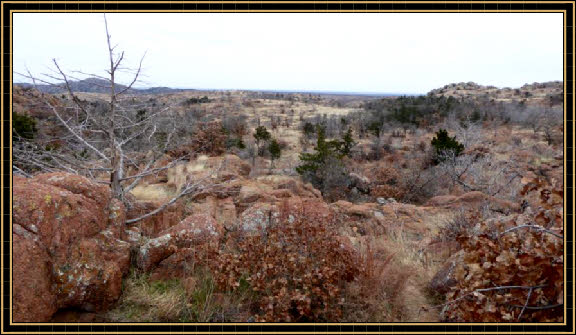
[
  {"x": 551, "y": 92},
  {"x": 95, "y": 85}
]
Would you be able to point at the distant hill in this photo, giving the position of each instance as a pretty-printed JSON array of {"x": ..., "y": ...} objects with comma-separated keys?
[
  {"x": 551, "y": 92},
  {"x": 95, "y": 85}
]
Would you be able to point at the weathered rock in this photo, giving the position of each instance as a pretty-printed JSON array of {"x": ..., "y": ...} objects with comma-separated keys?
[
  {"x": 154, "y": 251},
  {"x": 229, "y": 167},
  {"x": 261, "y": 215},
  {"x": 91, "y": 278},
  {"x": 133, "y": 236},
  {"x": 66, "y": 244},
  {"x": 78, "y": 185},
  {"x": 444, "y": 279},
  {"x": 154, "y": 224},
  {"x": 178, "y": 265},
  {"x": 473, "y": 200},
  {"x": 195, "y": 229},
  {"x": 58, "y": 216},
  {"x": 257, "y": 218},
  {"x": 365, "y": 209},
  {"x": 32, "y": 272},
  {"x": 222, "y": 210},
  {"x": 361, "y": 183}
]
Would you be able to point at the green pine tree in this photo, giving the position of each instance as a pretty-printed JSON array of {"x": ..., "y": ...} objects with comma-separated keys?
[
  {"x": 275, "y": 152},
  {"x": 443, "y": 143},
  {"x": 261, "y": 134}
]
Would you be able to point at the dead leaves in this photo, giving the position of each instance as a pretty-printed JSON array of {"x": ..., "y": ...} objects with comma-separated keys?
[{"x": 530, "y": 260}]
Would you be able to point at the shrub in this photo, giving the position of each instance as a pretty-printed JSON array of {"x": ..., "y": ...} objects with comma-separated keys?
[
  {"x": 23, "y": 126},
  {"x": 444, "y": 144},
  {"x": 209, "y": 138},
  {"x": 513, "y": 262},
  {"x": 309, "y": 129},
  {"x": 261, "y": 134},
  {"x": 275, "y": 151},
  {"x": 297, "y": 268}
]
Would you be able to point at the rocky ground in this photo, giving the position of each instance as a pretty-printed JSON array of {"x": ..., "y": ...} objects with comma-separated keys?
[{"x": 75, "y": 244}]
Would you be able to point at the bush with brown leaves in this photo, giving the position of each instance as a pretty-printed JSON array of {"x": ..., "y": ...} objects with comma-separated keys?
[
  {"x": 209, "y": 138},
  {"x": 512, "y": 269},
  {"x": 298, "y": 269},
  {"x": 387, "y": 183}
]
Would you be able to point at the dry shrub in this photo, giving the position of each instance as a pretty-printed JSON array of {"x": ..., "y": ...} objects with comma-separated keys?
[
  {"x": 461, "y": 224},
  {"x": 387, "y": 183},
  {"x": 378, "y": 294},
  {"x": 209, "y": 138},
  {"x": 508, "y": 252},
  {"x": 297, "y": 268}
]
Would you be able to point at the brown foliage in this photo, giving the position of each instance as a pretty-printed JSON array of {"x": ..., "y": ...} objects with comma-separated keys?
[
  {"x": 209, "y": 138},
  {"x": 387, "y": 183},
  {"x": 508, "y": 252},
  {"x": 298, "y": 269}
]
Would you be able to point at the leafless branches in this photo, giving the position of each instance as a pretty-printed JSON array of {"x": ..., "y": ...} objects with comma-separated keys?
[{"x": 114, "y": 132}]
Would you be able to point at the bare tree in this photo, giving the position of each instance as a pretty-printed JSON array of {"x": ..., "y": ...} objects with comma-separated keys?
[{"x": 107, "y": 132}]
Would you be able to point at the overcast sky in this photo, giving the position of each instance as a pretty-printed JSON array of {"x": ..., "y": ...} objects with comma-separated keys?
[{"x": 353, "y": 52}]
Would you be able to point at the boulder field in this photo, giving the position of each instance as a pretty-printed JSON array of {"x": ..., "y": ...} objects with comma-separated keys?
[{"x": 72, "y": 247}]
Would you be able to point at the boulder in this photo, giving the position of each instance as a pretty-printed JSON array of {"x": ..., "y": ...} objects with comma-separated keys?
[
  {"x": 153, "y": 251},
  {"x": 33, "y": 297},
  {"x": 444, "y": 279},
  {"x": 76, "y": 184},
  {"x": 67, "y": 246},
  {"x": 154, "y": 224},
  {"x": 361, "y": 183},
  {"x": 178, "y": 265},
  {"x": 257, "y": 218},
  {"x": 473, "y": 199},
  {"x": 91, "y": 278},
  {"x": 261, "y": 215},
  {"x": 194, "y": 230},
  {"x": 222, "y": 210}
]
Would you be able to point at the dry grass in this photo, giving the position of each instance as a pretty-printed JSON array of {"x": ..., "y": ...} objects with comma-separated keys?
[
  {"x": 193, "y": 299},
  {"x": 394, "y": 287},
  {"x": 153, "y": 192}
]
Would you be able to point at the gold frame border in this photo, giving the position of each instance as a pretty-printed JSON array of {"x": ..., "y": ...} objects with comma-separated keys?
[{"x": 9, "y": 26}]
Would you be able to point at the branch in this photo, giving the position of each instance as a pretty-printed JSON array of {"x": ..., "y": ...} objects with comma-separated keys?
[
  {"x": 537, "y": 307},
  {"x": 526, "y": 304},
  {"x": 187, "y": 190},
  {"x": 497, "y": 288},
  {"x": 20, "y": 171},
  {"x": 539, "y": 228},
  {"x": 80, "y": 138}
]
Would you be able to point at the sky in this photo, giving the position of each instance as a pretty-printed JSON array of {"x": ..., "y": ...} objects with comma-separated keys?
[{"x": 341, "y": 52}]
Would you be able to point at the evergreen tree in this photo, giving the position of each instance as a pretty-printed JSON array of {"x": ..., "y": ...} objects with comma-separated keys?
[
  {"x": 275, "y": 151},
  {"x": 308, "y": 129},
  {"x": 261, "y": 134},
  {"x": 348, "y": 143},
  {"x": 23, "y": 126},
  {"x": 313, "y": 161},
  {"x": 443, "y": 143}
]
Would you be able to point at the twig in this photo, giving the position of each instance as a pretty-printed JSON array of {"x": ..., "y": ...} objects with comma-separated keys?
[
  {"x": 445, "y": 305},
  {"x": 536, "y": 308},
  {"x": 526, "y": 304},
  {"x": 540, "y": 228}
]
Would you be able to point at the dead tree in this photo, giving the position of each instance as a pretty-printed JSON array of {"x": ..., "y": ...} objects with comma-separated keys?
[{"x": 108, "y": 131}]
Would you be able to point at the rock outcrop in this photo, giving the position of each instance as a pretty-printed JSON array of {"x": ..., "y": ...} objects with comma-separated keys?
[
  {"x": 194, "y": 230},
  {"x": 473, "y": 199},
  {"x": 67, "y": 246}
]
